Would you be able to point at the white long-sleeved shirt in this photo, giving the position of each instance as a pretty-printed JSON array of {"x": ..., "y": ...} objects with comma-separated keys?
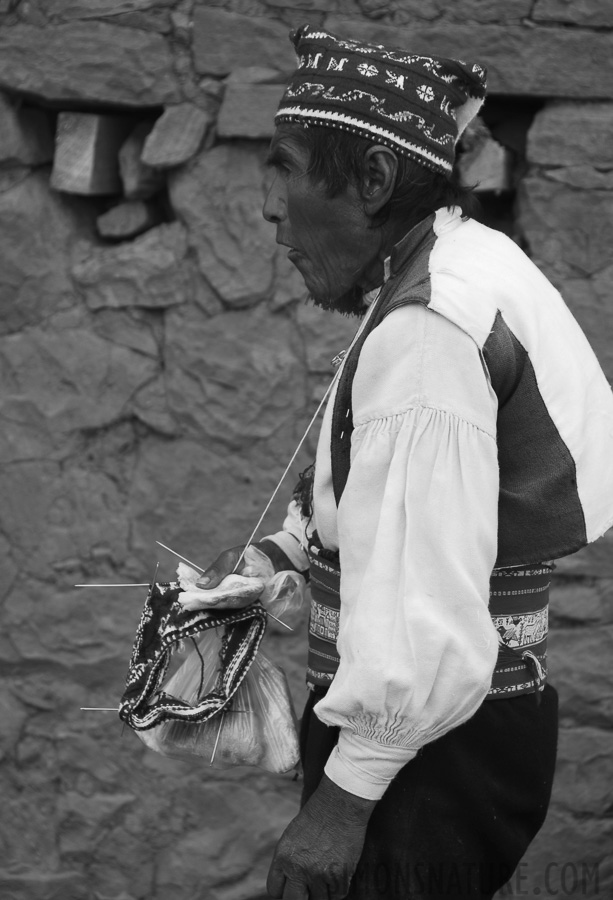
[
  {"x": 417, "y": 523},
  {"x": 417, "y": 527}
]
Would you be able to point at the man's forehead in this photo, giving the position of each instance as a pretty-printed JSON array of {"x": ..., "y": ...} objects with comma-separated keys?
[{"x": 285, "y": 143}]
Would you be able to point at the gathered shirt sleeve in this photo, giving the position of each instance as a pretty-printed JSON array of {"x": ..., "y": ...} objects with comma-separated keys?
[{"x": 417, "y": 533}]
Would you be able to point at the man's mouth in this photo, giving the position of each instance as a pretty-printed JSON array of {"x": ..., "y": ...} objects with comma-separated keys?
[{"x": 290, "y": 247}]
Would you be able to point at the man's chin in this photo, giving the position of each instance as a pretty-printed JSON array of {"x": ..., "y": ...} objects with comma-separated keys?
[{"x": 351, "y": 303}]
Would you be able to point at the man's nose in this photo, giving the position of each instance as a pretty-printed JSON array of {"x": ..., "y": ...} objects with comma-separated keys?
[{"x": 274, "y": 204}]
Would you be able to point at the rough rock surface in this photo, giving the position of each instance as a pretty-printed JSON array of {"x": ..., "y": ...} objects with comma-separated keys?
[
  {"x": 590, "y": 13},
  {"x": 224, "y": 40},
  {"x": 176, "y": 136},
  {"x": 570, "y": 134},
  {"x": 145, "y": 272},
  {"x": 518, "y": 59},
  {"x": 154, "y": 389},
  {"x": 219, "y": 197},
  {"x": 25, "y": 135},
  {"x": 94, "y": 62},
  {"x": 127, "y": 219},
  {"x": 233, "y": 377},
  {"x": 86, "y": 153},
  {"x": 570, "y": 232},
  {"x": 325, "y": 336},
  {"x": 139, "y": 180},
  {"x": 248, "y": 110},
  {"x": 34, "y": 279},
  {"x": 498, "y": 11}
]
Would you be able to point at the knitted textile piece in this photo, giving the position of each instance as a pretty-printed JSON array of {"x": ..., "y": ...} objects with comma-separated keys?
[
  {"x": 164, "y": 624},
  {"x": 417, "y": 105}
]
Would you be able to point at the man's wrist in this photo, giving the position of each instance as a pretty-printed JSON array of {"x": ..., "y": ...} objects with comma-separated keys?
[
  {"x": 348, "y": 808},
  {"x": 279, "y": 559}
]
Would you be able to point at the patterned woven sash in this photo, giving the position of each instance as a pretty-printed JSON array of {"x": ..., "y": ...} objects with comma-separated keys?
[
  {"x": 518, "y": 606},
  {"x": 323, "y": 658}
]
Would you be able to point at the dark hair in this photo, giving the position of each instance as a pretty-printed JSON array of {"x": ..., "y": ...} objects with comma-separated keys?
[{"x": 336, "y": 159}]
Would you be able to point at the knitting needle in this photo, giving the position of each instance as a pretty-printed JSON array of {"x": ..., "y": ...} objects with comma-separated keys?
[
  {"x": 289, "y": 627},
  {"x": 223, "y": 712},
  {"x": 152, "y": 585},
  {"x": 174, "y": 553},
  {"x": 99, "y": 708},
  {"x": 144, "y": 584},
  {"x": 194, "y": 566}
]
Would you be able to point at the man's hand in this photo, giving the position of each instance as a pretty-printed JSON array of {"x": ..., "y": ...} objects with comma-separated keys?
[
  {"x": 225, "y": 563},
  {"x": 319, "y": 850}
]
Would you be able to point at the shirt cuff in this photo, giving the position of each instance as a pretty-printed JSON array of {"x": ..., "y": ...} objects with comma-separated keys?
[
  {"x": 363, "y": 767},
  {"x": 291, "y": 547}
]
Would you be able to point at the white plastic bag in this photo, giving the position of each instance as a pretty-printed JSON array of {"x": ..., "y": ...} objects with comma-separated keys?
[
  {"x": 258, "y": 727},
  {"x": 279, "y": 593}
]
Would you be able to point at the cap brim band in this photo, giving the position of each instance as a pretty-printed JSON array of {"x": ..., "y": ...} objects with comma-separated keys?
[{"x": 367, "y": 129}]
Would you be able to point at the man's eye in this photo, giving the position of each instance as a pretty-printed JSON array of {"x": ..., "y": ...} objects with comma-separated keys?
[{"x": 279, "y": 165}]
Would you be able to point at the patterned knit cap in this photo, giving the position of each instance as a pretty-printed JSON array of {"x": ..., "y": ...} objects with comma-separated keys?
[{"x": 417, "y": 105}]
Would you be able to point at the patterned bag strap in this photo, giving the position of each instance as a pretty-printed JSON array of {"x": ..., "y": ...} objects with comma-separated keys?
[{"x": 163, "y": 627}]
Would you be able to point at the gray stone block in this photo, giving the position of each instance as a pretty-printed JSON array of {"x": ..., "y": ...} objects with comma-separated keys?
[
  {"x": 234, "y": 378},
  {"x": 591, "y": 302},
  {"x": 127, "y": 220},
  {"x": 86, "y": 153},
  {"x": 248, "y": 110},
  {"x": 570, "y": 232},
  {"x": 589, "y": 13},
  {"x": 224, "y": 40},
  {"x": 176, "y": 136},
  {"x": 37, "y": 229},
  {"x": 146, "y": 272},
  {"x": 88, "y": 61},
  {"x": 584, "y": 683},
  {"x": 585, "y": 178},
  {"x": 572, "y": 134},
  {"x": 520, "y": 60},
  {"x": 219, "y": 197}
]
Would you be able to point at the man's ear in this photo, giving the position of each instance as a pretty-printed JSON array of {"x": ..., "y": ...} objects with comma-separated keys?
[{"x": 379, "y": 170}]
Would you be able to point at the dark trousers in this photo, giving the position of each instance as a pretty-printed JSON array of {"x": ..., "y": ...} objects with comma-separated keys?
[{"x": 458, "y": 818}]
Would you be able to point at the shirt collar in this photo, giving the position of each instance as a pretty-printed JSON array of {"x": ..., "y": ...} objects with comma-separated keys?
[{"x": 407, "y": 246}]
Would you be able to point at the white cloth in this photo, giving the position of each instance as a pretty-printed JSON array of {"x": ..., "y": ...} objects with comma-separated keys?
[{"x": 417, "y": 527}]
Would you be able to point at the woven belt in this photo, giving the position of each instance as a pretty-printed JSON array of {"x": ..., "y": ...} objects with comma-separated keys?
[
  {"x": 518, "y": 606},
  {"x": 323, "y": 658},
  {"x": 519, "y": 599}
]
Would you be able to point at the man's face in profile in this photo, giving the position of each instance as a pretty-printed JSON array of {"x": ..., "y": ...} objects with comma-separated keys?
[{"x": 329, "y": 238}]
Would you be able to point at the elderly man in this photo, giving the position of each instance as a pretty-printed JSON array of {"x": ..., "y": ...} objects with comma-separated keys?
[{"x": 467, "y": 441}]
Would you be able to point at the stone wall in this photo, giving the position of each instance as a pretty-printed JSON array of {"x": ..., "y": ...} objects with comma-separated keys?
[{"x": 158, "y": 366}]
